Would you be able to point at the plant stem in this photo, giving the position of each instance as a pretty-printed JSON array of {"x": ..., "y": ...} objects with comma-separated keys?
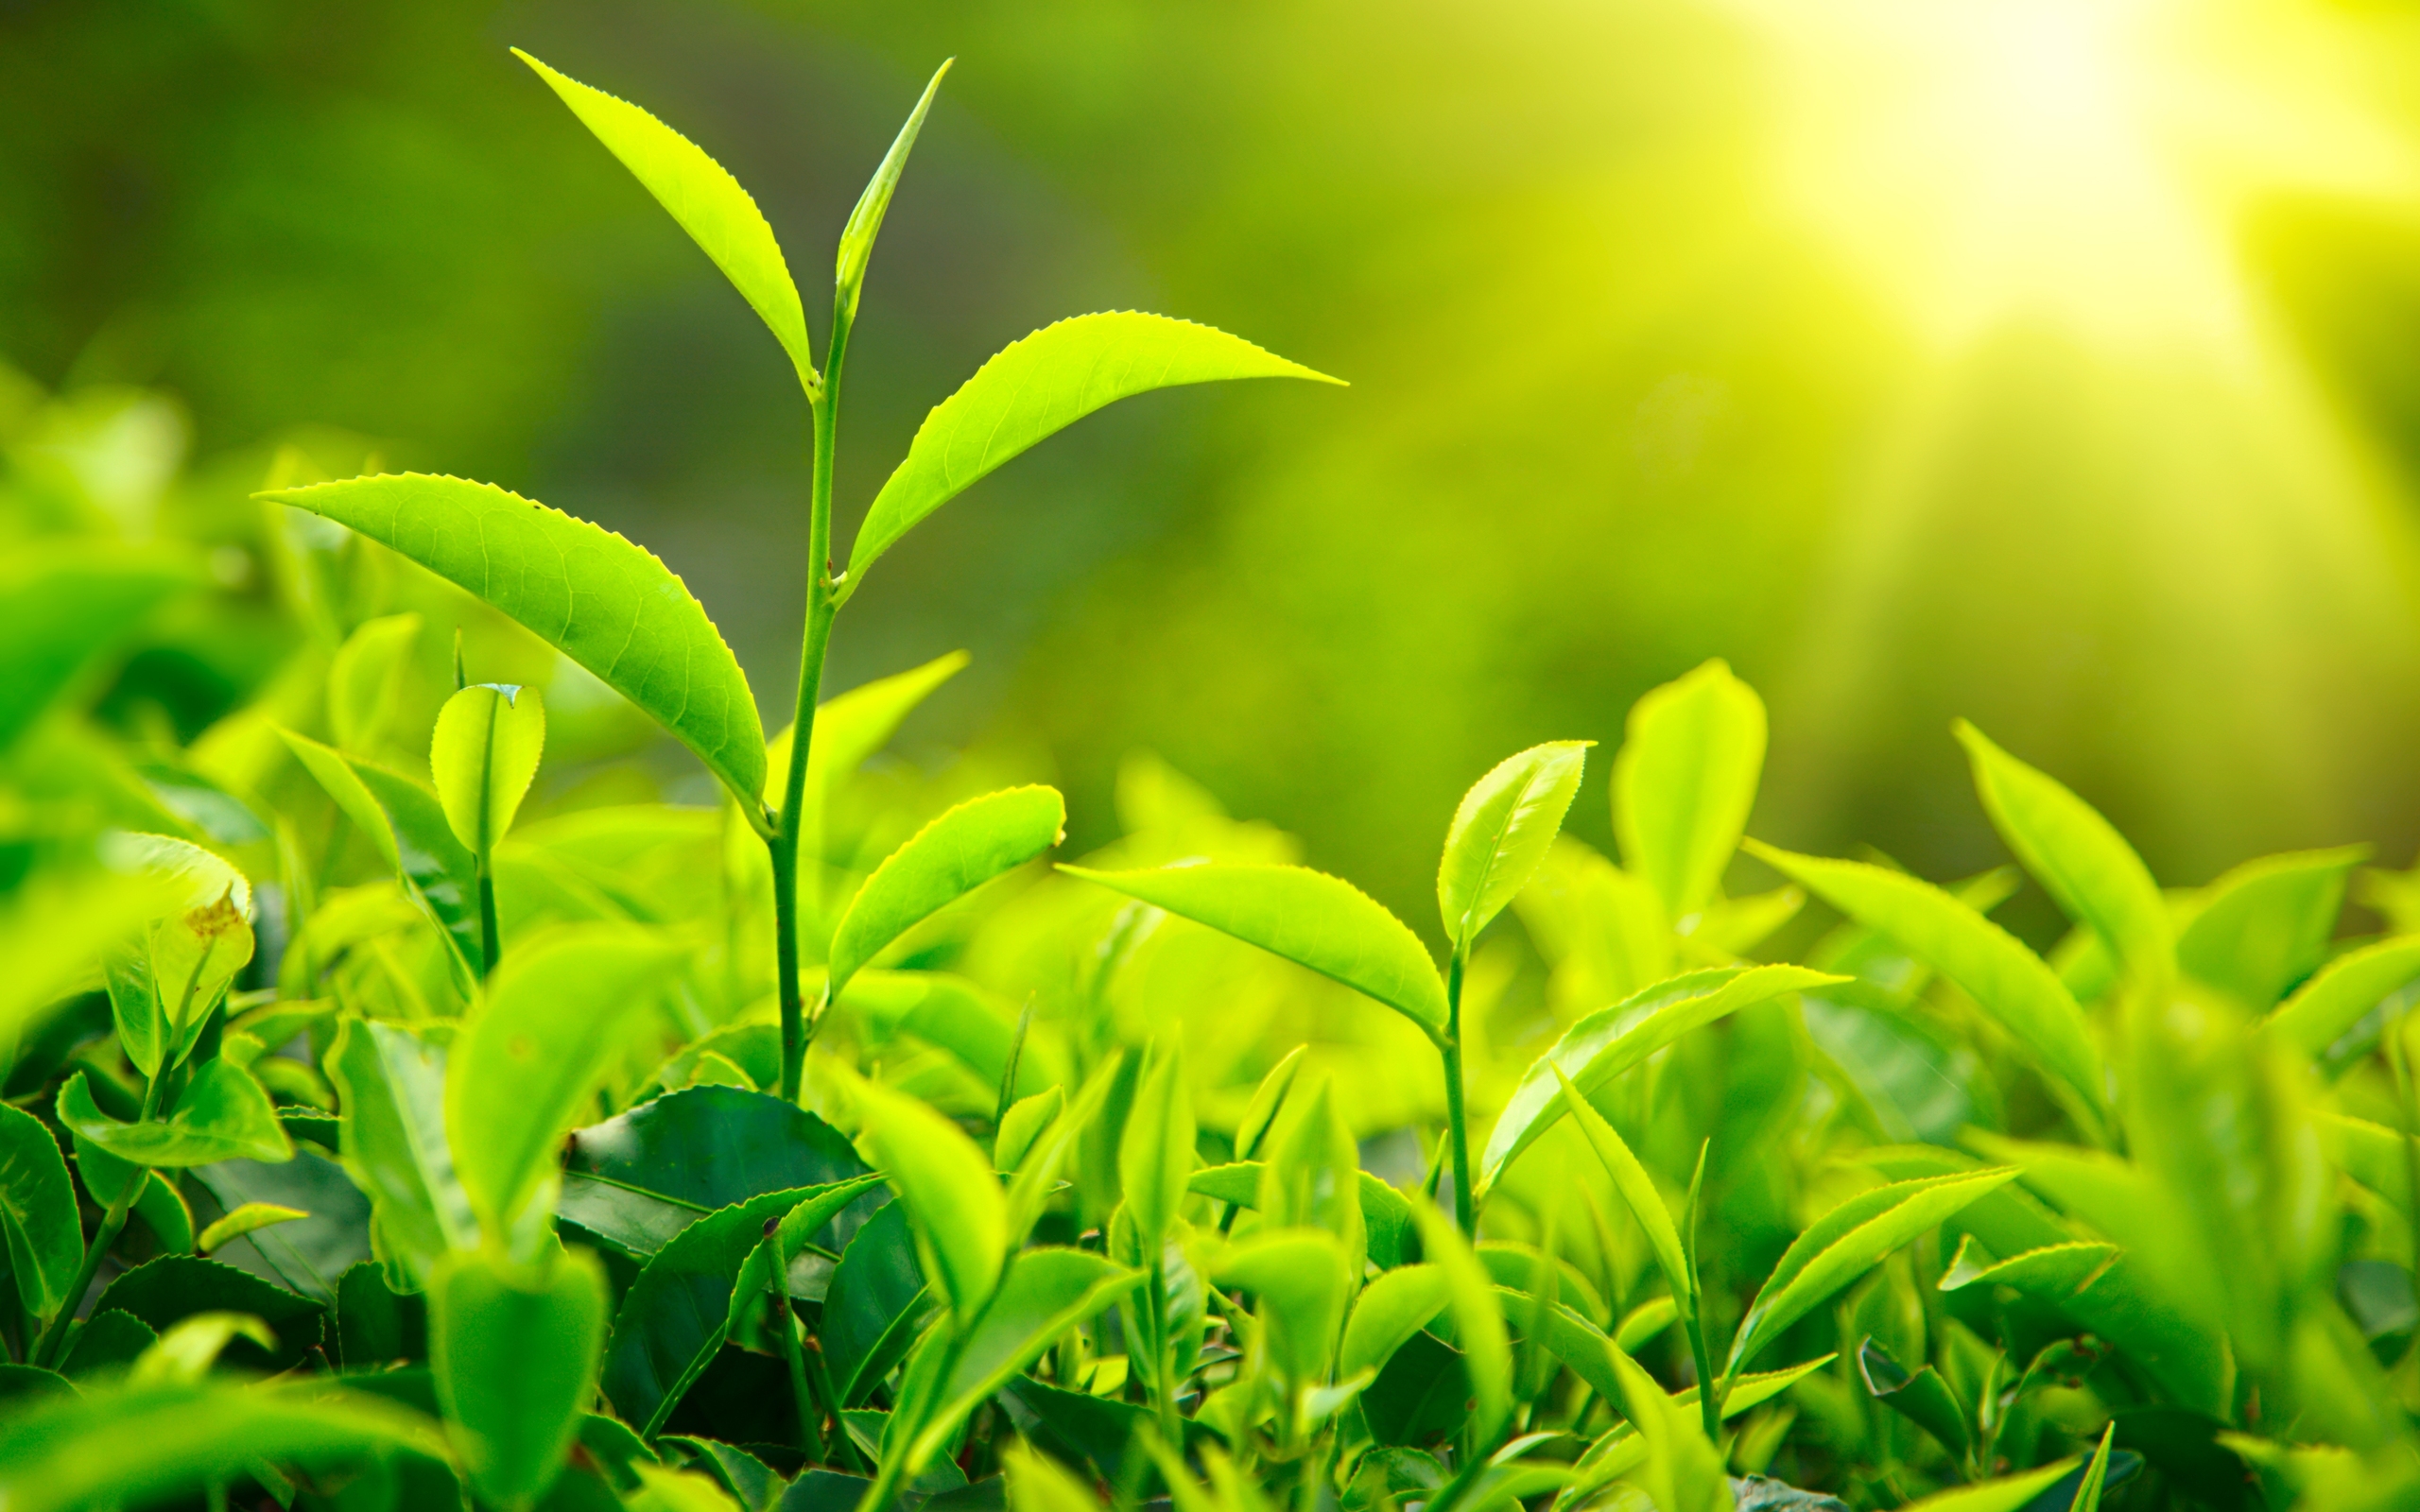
[
  {"x": 820, "y": 607},
  {"x": 810, "y": 1432},
  {"x": 1456, "y": 1119},
  {"x": 112, "y": 1219},
  {"x": 1162, "y": 1356}
]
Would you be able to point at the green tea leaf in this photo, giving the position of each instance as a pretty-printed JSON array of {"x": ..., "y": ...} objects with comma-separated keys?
[
  {"x": 1386, "y": 1215},
  {"x": 1638, "y": 1191},
  {"x": 707, "y": 202},
  {"x": 1046, "y": 1293},
  {"x": 961, "y": 1219},
  {"x": 956, "y": 853},
  {"x": 1037, "y": 386},
  {"x": 164, "y": 1291},
  {"x": 484, "y": 755},
  {"x": 1988, "y": 964},
  {"x": 674, "y": 1316},
  {"x": 1682, "y": 1472},
  {"x": 637, "y": 627},
  {"x": 38, "y": 1213},
  {"x": 106, "y": 1344},
  {"x": 712, "y": 1147},
  {"x": 139, "y": 1446},
  {"x": 223, "y": 1115},
  {"x": 877, "y": 1302},
  {"x": 1306, "y": 916},
  {"x": 1846, "y": 1242},
  {"x": 520, "y": 1074},
  {"x": 1684, "y": 781},
  {"x": 66, "y": 605},
  {"x": 2013, "y": 1493},
  {"x": 955, "y": 1014},
  {"x": 2077, "y": 856},
  {"x": 865, "y": 221},
  {"x": 1605, "y": 1044},
  {"x": 1501, "y": 833},
  {"x": 366, "y": 681},
  {"x": 200, "y": 940},
  {"x": 2331, "y": 1005},
  {"x": 1301, "y": 1278},
  {"x": 249, "y": 1218},
  {"x": 1478, "y": 1323},
  {"x": 2265, "y": 925},
  {"x": 402, "y": 818},
  {"x": 1267, "y": 1099},
  {"x": 1155, "y": 1153},
  {"x": 1921, "y": 1397},
  {"x": 392, "y": 1142},
  {"x": 1309, "y": 1181},
  {"x": 514, "y": 1352},
  {"x": 1389, "y": 1311}
]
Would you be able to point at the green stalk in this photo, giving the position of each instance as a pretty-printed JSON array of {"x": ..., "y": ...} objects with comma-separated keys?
[
  {"x": 46, "y": 1349},
  {"x": 490, "y": 936},
  {"x": 810, "y": 1430},
  {"x": 822, "y": 605},
  {"x": 1456, "y": 1119}
]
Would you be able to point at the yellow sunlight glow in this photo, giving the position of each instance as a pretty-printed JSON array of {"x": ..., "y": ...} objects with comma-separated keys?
[{"x": 2079, "y": 161}]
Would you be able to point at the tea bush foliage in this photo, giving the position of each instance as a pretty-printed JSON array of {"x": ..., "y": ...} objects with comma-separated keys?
[{"x": 409, "y": 1105}]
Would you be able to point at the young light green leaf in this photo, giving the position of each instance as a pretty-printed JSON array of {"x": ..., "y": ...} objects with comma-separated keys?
[
  {"x": 2264, "y": 927},
  {"x": 366, "y": 681},
  {"x": 956, "y": 853},
  {"x": 249, "y": 1218},
  {"x": 404, "y": 820},
  {"x": 1637, "y": 1189},
  {"x": 1920, "y": 1396},
  {"x": 1684, "y": 781},
  {"x": 1155, "y": 1151},
  {"x": 961, "y": 1219},
  {"x": 2012, "y": 1493},
  {"x": 484, "y": 755},
  {"x": 1501, "y": 831},
  {"x": 1268, "y": 1098},
  {"x": 392, "y": 1093},
  {"x": 38, "y": 1213},
  {"x": 1988, "y": 964},
  {"x": 521, "y": 1074},
  {"x": 1301, "y": 1278},
  {"x": 1311, "y": 1178},
  {"x": 1604, "y": 1044},
  {"x": 1308, "y": 917},
  {"x": 1478, "y": 1323},
  {"x": 2078, "y": 856},
  {"x": 1682, "y": 1470},
  {"x": 1037, "y": 386},
  {"x": 66, "y": 604},
  {"x": 865, "y": 221},
  {"x": 1046, "y": 1293},
  {"x": 1846, "y": 1242},
  {"x": 223, "y": 1115},
  {"x": 514, "y": 1352},
  {"x": 2332, "y": 1003},
  {"x": 638, "y": 630},
  {"x": 707, "y": 202},
  {"x": 1389, "y": 1311}
]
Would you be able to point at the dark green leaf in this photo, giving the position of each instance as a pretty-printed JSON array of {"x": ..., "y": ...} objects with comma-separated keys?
[
  {"x": 1046, "y": 1293},
  {"x": 106, "y": 1343},
  {"x": 376, "y": 1326},
  {"x": 309, "y": 1253},
  {"x": 1039, "y": 385},
  {"x": 1922, "y": 1398},
  {"x": 166, "y": 1291},
  {"x": 874, "y": 1307},
  {"x": 633, "y": 1224},
  {"x": 638, "y": 628},
  {"x": 712, "y": 1147}
]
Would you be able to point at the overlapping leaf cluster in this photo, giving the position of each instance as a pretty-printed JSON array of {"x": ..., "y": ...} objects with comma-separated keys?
[{"x": 367, "y": 1144}]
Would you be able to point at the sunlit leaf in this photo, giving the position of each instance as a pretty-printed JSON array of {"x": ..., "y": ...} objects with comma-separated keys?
[
  {"x": 956, "y": 853},
  {"x": 961, "y": 1217},
  {"x": 2336, "y": 1000},
  {"x": 2077, "y": 855},
  {"x": 1388, "y": 1311},
  {"x": 1039, "y": 385},
  {"x": 366, "y": 681},
  {"x": 1684, "y": 781},
  {"x": 637, "y": 627},
  {"x": 249, "y": 1218},
  {"x": 1306, "y": 916},
  {"x": 514, "y": 1351},
  {"x": 483, "y": 756},
  {"x": 1046, "y": 1293},
  {"x": 222, "y": 1115},
  {"x": 865, "y": 220},
  {"x": 1638, "y": 1191},
  {"x": 705, "y": 200},
  {"x": 1605, "y": 1044},
  {"x": 1478, "y": 1323},
  {"x": 2265, "y": 925},
  {"x": 1155, "y": 1152},
  {"x": 1502, "y": 830}
]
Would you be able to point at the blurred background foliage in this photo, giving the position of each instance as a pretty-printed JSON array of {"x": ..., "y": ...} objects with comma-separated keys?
[{"x": 2056, "y": 364}]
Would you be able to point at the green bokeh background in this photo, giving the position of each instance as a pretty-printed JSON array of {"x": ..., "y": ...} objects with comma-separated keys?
[{"x": 1615, "y": 409}]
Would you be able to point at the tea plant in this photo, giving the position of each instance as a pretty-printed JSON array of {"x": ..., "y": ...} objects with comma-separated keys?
[{"x": 367, "y": 1143}]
